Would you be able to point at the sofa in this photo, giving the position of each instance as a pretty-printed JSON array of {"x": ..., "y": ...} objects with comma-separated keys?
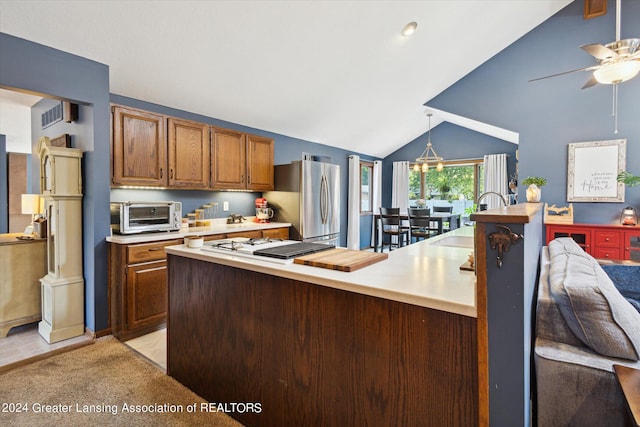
[{"x": 585, "y": 322}]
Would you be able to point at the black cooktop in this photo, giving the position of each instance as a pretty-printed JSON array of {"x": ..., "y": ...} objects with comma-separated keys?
[{"x": 293, "y": 250}]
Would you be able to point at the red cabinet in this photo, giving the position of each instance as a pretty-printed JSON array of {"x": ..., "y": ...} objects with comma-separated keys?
[
  {"x": 599, "y": 240},
  {"x": 631, "y": 245}
]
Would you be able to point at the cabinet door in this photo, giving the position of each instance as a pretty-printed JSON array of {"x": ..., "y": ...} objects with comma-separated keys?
[
  {"x": 259, "y": 163},
  {"x": 146, "y": 294},
  {"x": 188, "y": 154},
  {"x": 139, "y": 148},
  {"x": 228, "y": 160},
  {"x": 632, "y": 245},
  {"x": 582, "y": 236}
]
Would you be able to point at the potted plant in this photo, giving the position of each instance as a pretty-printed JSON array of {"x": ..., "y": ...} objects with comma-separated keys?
[{"x": 533, "y": 184}]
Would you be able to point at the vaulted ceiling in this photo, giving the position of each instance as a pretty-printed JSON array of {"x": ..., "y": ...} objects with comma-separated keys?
[{"x": 333, "y": 72}]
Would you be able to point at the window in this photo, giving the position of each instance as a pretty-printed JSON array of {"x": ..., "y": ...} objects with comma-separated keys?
[
  {"x": 366, "y": 184},
  {"x": 459, "y": 180}
]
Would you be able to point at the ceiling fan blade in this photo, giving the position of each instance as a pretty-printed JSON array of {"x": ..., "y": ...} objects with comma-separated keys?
[
  {"x": 593, "y": 67},
  {"x": 590, "y": 83},
  {"x": 599, "y": 51}
]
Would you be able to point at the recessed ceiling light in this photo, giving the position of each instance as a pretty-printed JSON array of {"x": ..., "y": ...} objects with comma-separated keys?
[{"x": 409, "y": 29}]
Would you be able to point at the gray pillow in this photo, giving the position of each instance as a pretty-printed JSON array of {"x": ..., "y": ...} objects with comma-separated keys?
[{"x": 591, "y": 305}]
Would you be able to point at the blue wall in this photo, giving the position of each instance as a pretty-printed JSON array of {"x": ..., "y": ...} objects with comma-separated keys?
[
  {"x": 551, "y": 113},
  {"x": 42, "y": 70},
  {"x": 452, "y": 142},
  {"x": 548, "y": 115},
  {"x": 4, "y": 190}
]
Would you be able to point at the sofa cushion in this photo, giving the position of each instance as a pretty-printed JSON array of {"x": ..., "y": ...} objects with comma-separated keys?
[
  {"x": 550, "y": 325},
  {"x": 591, "y": 305}
]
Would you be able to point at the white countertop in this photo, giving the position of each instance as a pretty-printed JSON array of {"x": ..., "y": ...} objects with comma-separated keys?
[
  {"x": 219, "y": 227},
  {"x": 426, "y": 274}
]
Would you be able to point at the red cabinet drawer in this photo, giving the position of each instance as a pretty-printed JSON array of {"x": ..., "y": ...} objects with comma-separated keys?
[
  {"x": 609, "y": 239},
  {"x": 607, "y": 253}
]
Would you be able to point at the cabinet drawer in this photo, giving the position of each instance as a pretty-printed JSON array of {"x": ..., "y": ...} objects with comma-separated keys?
[
  {"x": 214, "y": 237},
  {"x": 276, "y": 233},
  {"x": 253, "y": 234},
  {"x": 607, "y": 253},
  {"x": 610, "y": 239},
  {"x": 149, "y": 251}
]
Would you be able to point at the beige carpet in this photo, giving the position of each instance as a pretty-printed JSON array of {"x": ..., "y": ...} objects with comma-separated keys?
[{"x": 103, "y": 384}]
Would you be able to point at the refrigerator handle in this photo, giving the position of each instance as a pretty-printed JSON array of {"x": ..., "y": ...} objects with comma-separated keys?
[{"x": 323, "y": 199}]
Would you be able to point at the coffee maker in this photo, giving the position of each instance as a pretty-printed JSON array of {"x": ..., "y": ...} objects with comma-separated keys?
[{"x": 263, "y": 212}]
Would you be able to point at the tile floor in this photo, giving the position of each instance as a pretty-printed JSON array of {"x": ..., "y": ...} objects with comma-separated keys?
[
  {"x": 24, "y": 345},
  {"x": 153, "y": 346}
]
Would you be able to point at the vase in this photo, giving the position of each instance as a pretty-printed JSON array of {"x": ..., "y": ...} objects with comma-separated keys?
[{"x": 533, "y": 193}]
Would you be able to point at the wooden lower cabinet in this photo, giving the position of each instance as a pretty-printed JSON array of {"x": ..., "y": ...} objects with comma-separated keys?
[
  {"x": 138, "y": 288},
  {"x": 146, "y": 294},
  {"x": 138, "y": 282}
]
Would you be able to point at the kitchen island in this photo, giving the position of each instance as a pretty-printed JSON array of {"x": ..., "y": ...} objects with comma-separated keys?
[{"x": 393, "y": 343}]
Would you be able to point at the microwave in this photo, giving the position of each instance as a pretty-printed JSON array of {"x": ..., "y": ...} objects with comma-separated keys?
[{"x": 145, "y": 217}]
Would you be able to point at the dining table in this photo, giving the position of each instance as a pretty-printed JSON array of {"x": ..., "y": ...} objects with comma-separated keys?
[{"x": 438, "y": 217}]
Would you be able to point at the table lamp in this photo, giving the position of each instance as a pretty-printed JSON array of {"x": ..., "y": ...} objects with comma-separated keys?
[
  {"x": 628, "y": 216},
  {"x": 30, "y": 206}
]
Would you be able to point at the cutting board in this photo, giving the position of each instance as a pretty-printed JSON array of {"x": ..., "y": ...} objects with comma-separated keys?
[{"x": 341, "y": 259}]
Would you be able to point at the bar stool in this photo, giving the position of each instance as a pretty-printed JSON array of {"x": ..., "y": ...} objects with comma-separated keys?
[{"x": 391, "y": 226}]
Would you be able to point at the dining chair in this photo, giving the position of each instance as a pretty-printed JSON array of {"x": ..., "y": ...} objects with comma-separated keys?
[
  {"x": 420, "y": 225},
  {"x": 392, "y": 226},
  {"x": 446, "y": 225}
]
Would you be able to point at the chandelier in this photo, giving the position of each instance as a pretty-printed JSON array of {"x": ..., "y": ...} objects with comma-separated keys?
[{"x": 428, "y": 156}]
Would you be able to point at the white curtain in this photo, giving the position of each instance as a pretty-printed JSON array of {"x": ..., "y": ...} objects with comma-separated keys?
[
  {"x": 353, "y": 224},
  {"x": 400, "y": 189},
  {"x": 495, "y": 179},
  {"x": 376, "y": 197}
]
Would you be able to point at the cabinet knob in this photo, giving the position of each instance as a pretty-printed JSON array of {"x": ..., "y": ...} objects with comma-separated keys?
[
  {"x": 606, "y": 239},
  {"x": 161, "y": 173},
  {"x": 171, "y": 173}
]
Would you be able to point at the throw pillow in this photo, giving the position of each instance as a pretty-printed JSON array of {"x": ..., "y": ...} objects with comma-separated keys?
[{"x": 591, "y": 305}]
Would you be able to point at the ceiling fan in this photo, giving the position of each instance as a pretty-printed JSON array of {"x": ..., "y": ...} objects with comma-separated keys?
[{"x": 618, "y": 62}]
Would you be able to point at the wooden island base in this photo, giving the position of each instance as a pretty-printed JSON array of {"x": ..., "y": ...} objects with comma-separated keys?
[{"x": 314, "y": 355}]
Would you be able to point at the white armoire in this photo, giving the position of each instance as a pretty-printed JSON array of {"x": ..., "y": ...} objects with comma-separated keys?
[{"x": 63, "y": 286}]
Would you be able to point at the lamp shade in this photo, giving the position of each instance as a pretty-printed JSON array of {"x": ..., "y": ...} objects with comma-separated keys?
[
  {"x": 30, "y": 204},
  {"x": 617, "y": 72}
]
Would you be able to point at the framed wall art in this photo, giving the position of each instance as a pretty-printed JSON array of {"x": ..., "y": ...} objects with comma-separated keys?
[{"x": 592, "y": 171}]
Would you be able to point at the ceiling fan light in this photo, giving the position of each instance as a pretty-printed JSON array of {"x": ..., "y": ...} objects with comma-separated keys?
[
  {"x": 439, "y": 167},
  {"x": 425, "y": 168},
  {"x": 416, "y": 167},
  {"x": 617, "y": 72}
]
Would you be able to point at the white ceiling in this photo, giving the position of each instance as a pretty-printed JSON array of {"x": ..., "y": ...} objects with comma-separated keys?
[{"x": 328, "y": 71}]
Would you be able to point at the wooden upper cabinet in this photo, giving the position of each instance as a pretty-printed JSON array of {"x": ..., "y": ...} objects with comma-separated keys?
[
  {"x": 150, "y": 149},
  {"x": 259, "y": 163},
  {"x": 228, "y": 159},
  {"x": 139, "y": 148},
  {"x": 241, "y": 161},
  {"x": 188, "y": 154}
]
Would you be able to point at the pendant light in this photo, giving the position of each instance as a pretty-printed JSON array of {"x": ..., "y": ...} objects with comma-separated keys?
[{"x": 429, "y": 155}]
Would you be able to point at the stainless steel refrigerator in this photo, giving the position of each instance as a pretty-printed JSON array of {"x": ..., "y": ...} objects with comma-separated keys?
[{"x": 307, "y": 195}]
